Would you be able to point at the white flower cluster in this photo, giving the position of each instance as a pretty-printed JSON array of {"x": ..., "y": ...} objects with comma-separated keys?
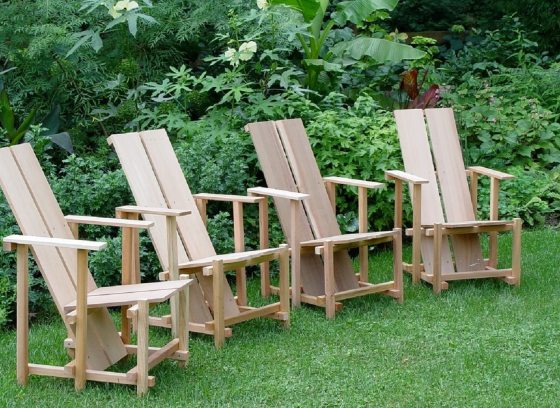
[
  {"x": 245, "y": 53},
  {"x": 262, "y": 4},
  {"x": 122, "y": 5}
]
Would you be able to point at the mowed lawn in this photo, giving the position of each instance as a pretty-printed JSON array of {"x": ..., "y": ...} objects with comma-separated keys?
[{"x": 481, "y": 343}]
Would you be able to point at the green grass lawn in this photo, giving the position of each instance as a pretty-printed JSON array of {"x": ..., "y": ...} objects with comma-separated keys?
[{"x": 481, "y": 343}]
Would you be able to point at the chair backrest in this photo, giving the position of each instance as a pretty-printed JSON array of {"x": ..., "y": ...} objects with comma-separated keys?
[
  {"x": 451, "y": 178},
  {"x": 38, "y": 213},
  {"x": 156, "y": 180},
  {"x": 288, "y": 163},
  {"x": 453, "y": 184}
]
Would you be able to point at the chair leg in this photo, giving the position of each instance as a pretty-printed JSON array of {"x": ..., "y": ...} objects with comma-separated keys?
[
  {"x": 183, "y": 324},
  {"x": 285, "y": 283},
  {"x": 218, "y": 283},
  {"x": 22, "y": 316},
  {"x": 142, "y": 353},
  {"x": 328, "y": 260},
  {"x": 397, "y": 263},
  {"x": 436, "y": 279},
  {"x": 81, "y": 322},
  {"x": 516, "y": 251}
]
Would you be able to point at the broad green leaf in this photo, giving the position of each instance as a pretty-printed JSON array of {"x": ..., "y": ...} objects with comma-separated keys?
[
  {"x": 308, "y": 8},
  {"x": 378, "y": 49},
  {"x": 357, "y": 11}
]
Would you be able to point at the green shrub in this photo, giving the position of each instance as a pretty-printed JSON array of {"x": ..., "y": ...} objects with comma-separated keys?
[
  {"x": 358, "y": 142},
  {"x": 534, "y": 196}
]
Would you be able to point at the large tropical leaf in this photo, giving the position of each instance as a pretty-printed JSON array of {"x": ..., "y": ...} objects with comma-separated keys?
[
  {"x": 357, "y": 11},
  {"x": 308, "y": 8},
  {"x": 376, "y": 48}
]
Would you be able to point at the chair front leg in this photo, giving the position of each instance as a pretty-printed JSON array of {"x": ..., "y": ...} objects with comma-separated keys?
[
  {"x": 284, "y": 260},
  {"x": 436, "y": 277},
  {"x": 397, "y": 264},
  {"x": 142, "y": 350},
  {"x": 183, "y": 324},
  {"x": 328, "y": 260},
  {"x": 218, "y": 303},
  {"x": 22, "y": 347},
  {"x": 81, "y": 321}
]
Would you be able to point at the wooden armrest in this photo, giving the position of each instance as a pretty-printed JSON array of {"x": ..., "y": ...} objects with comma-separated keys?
[
  {"x": 111, "y": 222},
  {"x": 228, "y": 197},
  {"x": 272, "y": 192},
  {"x": 401, "y": 175},
  {"x": 53, "y": 242},
  {"x": 354, "y": 182},
  {"x": 133, "y": 209},
  {"x": 490, "y": 173}
]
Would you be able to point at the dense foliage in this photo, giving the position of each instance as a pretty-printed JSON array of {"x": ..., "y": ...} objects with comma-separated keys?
[{"x": 203, "y": 69}]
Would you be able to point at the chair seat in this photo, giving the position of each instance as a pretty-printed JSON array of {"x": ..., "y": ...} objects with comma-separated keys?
[
  {"x": 348, "y": 238},
  {"x": 228, "y": 258},
  {"x": 155, "y": 292}
]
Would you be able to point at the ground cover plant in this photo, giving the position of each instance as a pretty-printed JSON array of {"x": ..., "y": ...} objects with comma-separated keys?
[{"x": 481, "y": 343}]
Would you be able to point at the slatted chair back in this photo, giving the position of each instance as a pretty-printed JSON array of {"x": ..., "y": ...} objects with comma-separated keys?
[
  {"x": 288, "y": 163},
  {"x": 450, "y": 181},
  {"x": 455, "y": 191},
  {"x": 156, "y": 180},
  {"x": 38, "y": 214}
]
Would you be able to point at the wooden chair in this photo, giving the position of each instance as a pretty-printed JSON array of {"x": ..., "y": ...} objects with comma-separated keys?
[
  {"x": 322, "y": 272},
  {"x": 453, "y": 214},
  {"x": 63, "y": 262},
  {"x": 160, "y": 189}
]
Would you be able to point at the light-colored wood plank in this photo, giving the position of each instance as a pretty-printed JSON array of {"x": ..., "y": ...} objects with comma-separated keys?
[
  {"x": 248, "y": 257},
  {"x": 154, "y": 296},
  {"x": 142, "y": 349},
  {"x": 164, "y": 211},
  {"x": 219, "y": 315},
  {"x": 173, "y": 265},
  {"x": 418, "y": 161},
  {"x": 55, "y": 242},
  {"x": 403, "y": 176},
  {"x": 38, "y": 214},
  {"x": 354, "y": 182},
  {"x": 239, "y": 243},
  {"x": 22, "y": 320},
  {"x": 175, "y": 189},
  {"x": 349, "y": 238},
  {"x": 228, "y": 197},
  {"x": 516, "y": 251},
  {"x": 263, "y": 244},
  {"x": 319, "y": 212},
  {"x": 328, "y": 259},
  {"x": 81, "y": 321},
  {"x": 110, "y": 222},
  {"x": 147, "y": 194},
  {"x": 278, "y": 175},
  {"x": 398, "y": 265},
  {"x": 491, "y": 173},
  {"x": 455, "y": 191},
  {"x": 362, "y": 228},
  {"x": 273, "y": 192}
]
